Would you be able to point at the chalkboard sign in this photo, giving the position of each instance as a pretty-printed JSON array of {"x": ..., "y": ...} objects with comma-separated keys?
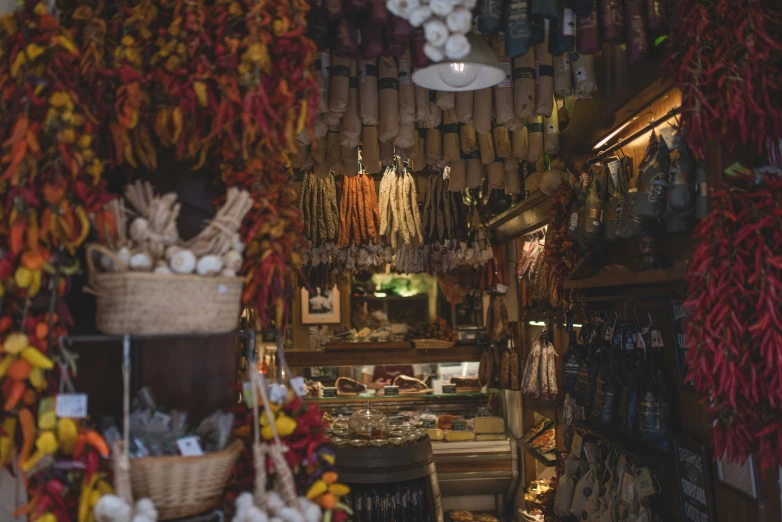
[
  {"x": 681, "y": 315},
  {"x": 694, "y": 474}
]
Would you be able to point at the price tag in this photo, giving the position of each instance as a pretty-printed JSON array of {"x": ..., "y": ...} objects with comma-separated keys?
[
  {"x": 551, "y": 129},
  {"x": 404, "y": 72},
  {"x": 72, "y": 405},
  {"x": 644, "y": 484},
  {"x": 247, "y": 394},
  {"x": 277, "y": 393},
  {"x": 580, "y": 75},
  {"x": 575, "y": 446},
  {"x": 657, "y": 339},
  {"x": 568, "y": 22},
  {"x": 299, "y": 388},
  {"x": 501, "y": 289},
  {"x": 573, "y": 220},
  {"x": 189, "y": 447}
]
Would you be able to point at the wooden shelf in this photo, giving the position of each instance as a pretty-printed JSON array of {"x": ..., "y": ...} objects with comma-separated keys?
[
  {"x": 634, "y": 448},
  {"x": 613, "y": 277},
  {"x": 377, "y": 354}
]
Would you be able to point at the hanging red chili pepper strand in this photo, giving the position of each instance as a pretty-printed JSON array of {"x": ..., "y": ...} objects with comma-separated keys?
[
  {"x": 735, "y": 331},
  {"x": 724, "y": 60}
]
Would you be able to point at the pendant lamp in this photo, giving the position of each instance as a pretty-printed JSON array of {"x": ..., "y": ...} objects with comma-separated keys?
[{"x": 478, "y": 70}]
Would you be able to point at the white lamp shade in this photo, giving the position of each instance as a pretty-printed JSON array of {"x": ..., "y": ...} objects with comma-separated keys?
[{"x": 478, "y": 70}]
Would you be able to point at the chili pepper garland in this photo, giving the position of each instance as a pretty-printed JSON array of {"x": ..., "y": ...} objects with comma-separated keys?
[
  {"x": 51, "y": 186},
  {"x": 725, "y": 60},
  {"x": 735, "y": 331}
]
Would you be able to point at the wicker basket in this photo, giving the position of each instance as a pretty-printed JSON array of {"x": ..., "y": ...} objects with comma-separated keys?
[
  {"x": 183, "y": 486},
  {"x": 432, "y": 344},
  {"x": 145, "y": 303}
]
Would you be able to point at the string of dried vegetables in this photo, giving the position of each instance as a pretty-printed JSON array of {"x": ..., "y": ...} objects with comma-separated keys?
[
  {"x": 725, "y": 59},
  {"x": 735, "y": 330},
  {"x": 318, "y": 205},
  {"x": 52, "y": 188},
  {"x": 559, "y": 253}
]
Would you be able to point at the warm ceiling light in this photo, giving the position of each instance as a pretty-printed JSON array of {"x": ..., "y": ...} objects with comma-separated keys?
[
  {"x": 617, "y": 131},
  {"x": 477, "y": 70}
]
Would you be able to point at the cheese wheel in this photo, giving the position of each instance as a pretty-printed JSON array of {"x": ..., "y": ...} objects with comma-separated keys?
[
  {"x": 459, "y": 436},
  {"x": 489, "y": 425},
  {"x": 435, "y": 434}
]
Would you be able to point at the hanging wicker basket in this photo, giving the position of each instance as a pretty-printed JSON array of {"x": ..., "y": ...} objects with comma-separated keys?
[{"x": 145, "y": 303}]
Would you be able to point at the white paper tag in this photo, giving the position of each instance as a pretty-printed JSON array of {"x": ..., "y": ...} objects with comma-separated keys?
[
  {"x": 574, "y": 220},
  {"x": 580, "y": 75},
  {"x": 609, "y": 333},
  {"x": 657, "y": 339},
  {"x": 325, "y": 62},
  {"x": 644, "y": 484},
  {"x": 362, "y": 72},
  {"x": 628, "y": 492},
  {"x": 568, "y": 22},
  {"x": 551, "y": 129},
  {"x": 247, "y": 394},
  {"x": 159, "y": 422},
  {"x": 575, "y": 446},
  {"x": 298, "y": 386},
  {"x": 277, "y": 393},
  {"x": 614, "y": 167},
  {"x": 501, "y": 289},
  {"x": 189, "y": 447},
  {"x": 508, "y": 81},
  {"x": 72, "y": 405},
  {"x": 404, "y": 72}
]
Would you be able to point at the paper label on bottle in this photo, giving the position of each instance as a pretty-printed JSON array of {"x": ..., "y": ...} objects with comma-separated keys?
[
  {"x": 507, "y": 82},
  {"x": 189, "y": 446},
  {"x": 72, "y": 405},
  {"x": 298, "y": 386},
  {"x": 404, "y": 72},
  {"x": 580, "y": 75},
  {"x": 277, "y": 393},
  {"x": 568, "y": 22},
  {"x": 325, "y": 62},
  {"x": 644, "y": 484}
]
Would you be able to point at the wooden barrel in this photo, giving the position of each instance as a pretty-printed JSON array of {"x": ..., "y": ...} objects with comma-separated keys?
[{"x": 388, "y": 467}]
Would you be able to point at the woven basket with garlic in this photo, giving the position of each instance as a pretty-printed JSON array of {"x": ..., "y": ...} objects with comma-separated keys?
[{"x": 150, "y": 281}]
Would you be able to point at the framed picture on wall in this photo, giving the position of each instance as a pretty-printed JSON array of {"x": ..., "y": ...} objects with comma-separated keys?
[
  {"x": 741, "y": 477},
  {"x": 322, "y": 307}
]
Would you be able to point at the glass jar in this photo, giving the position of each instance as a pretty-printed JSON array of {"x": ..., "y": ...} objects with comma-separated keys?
[{"x": 368, "y": 424}]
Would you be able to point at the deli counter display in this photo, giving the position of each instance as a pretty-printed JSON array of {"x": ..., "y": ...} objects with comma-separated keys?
[{"x": 475, "y": 458}]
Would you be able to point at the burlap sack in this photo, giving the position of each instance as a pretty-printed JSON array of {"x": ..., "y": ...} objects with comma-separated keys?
[
  {"x": 464, "y": 107},
  {"x": 388, "y": 84},
  {"x": 406, "y": 91},
  {"x": 320, "y": 128},
  {"x": 339, "y": 86},
  {"x": 468, "y": 138},
  {"x": 501, "y": 139},
  {"x": 519, "y": 145},
  {"x": 535, "y": 139},
  {"x": 321, "y": 64},
  {"x": 551, "y": 132},
  {"x": 486, "y": 147},
  {"x": 544, "y": 93},
  {"x": 350, "y": 129},
  {"x": 406, "y": 137},
  {"x": 435, "y": 112},
  {"x": 458, "y": 176},
  {"x": 584, "y": 79},
  {"x": 563, "y": 76},
  {"x": 367, "y": 92},
  {"x": 474, "y": 170},
  {"x": 524, "y": 84},
  {"x": 451, "y": 151},
  {"x": 503, "y": 91},
  {"x": 481, "y": 112}
]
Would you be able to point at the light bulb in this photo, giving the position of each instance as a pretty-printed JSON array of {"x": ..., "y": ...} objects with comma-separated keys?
[{"x": 457, "y": 74}]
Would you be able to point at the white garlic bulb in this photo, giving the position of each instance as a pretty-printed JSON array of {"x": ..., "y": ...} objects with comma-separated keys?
[
  {"x": 433, "y": 52},
  {"x": 436, "y": 33},
  {"x": 162, "y": 268},
  {"x": 173, "y": 249},
  {"x": 141, "y": 261},
  {"x": 182, "y": 261},
  {"x": 138, "y": 230},
  {"x": 232, "y": 260},
  {"x": 419, "y": 16},
  {"x": 209, "y": 265},
  {"x": 457, "y": 47},
  {"x": 459, "y": 21},
  {"x": 108, "y": 264},
  {"x": 441, "y": 7},
  {"x": 124, "y": 255}
]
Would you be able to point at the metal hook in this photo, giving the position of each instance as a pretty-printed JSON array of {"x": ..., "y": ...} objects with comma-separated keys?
[{"x": 651, "y": 323}]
